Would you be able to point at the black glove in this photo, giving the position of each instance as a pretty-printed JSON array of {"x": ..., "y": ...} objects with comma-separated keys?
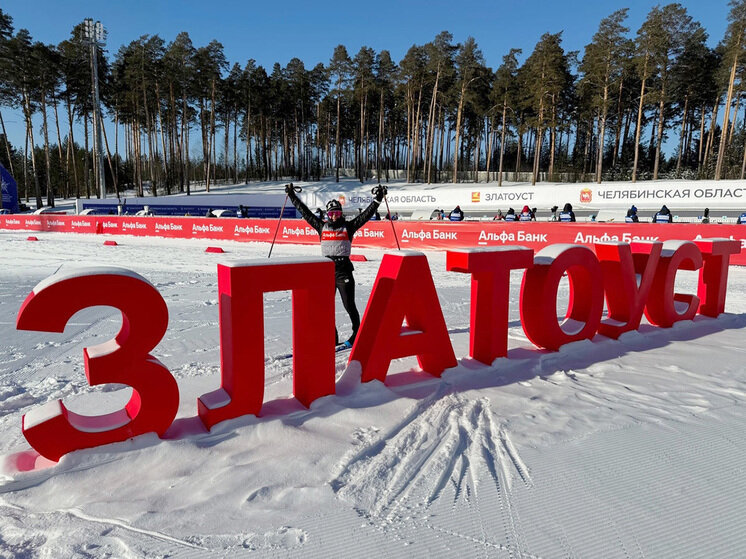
[
  {"x": 289, "y": 190},
  {"x": 380, "y": 191}
]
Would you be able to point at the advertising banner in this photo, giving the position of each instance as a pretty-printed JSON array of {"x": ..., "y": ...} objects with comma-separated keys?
[
  {"x": 650, "y": 195},
  {"x": 412, "y": 235}
]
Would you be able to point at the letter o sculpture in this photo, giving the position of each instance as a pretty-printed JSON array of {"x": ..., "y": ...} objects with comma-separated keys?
[{"x": 539, "y": 296}]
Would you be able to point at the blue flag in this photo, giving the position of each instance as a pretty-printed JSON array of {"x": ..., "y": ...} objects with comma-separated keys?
[{"x": 9, "y": 190}]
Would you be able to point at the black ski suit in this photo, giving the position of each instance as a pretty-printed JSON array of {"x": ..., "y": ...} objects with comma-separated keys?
[{"x": 336, "y": 244}]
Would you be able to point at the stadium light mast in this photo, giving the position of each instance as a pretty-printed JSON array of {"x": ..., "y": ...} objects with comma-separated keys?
[{"x": 95, "y": 35}]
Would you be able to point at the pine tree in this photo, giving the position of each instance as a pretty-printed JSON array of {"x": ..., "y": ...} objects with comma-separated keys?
[
  {"x": 546, "y": 75},
  {"x": 601, "y": 67},
  {"x": 735, "y": 43},
  {"x": 47, "y": 62},
  {"x": 385, "y": 71},
  {"x": 505, "y": 95},
  {"x": 76, "y": 92},
  {"x": 469, "y": 62},
  {"x": 340, "y": 68},
  {"x": 644, "y": 51},
  {"x": 440, "y": 67},
  {"x": 693, "y": 87},
  {"x": 6, "y": 32},
  {"x": 363, "y": 81},
  {"x": 209, "y": 63},
  {"x": 412, "y": 70},
  {"x": 178, "y": 67},
  {"x": 24, "y": 84},
  {"x": 675, "y": 29}
]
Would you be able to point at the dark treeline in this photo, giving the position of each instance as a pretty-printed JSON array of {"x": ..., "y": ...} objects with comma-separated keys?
[{"x": 438, "y": 115}]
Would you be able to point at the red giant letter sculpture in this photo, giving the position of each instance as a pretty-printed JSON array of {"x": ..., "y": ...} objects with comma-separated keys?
[
  {"x": 241, "y": 288},
  {"x": 539, "y": 296},
  {"x": 626, "y": 299},
  {"x": 404, "y": 289},
  {"x": 713, "y": 277},
  {"x": 490, "y": 294},
  {"x": 52, "y": 429},
  {"x": 664, "y": 307}
]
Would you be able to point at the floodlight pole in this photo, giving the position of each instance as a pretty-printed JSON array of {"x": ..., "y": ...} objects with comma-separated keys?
[{"x": 94, "y": 35}]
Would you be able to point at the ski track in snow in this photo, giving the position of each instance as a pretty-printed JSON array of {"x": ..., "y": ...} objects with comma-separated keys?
[{"x": 448, "y": 453}]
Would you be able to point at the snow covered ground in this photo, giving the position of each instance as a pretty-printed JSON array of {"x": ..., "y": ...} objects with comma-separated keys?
[{"x": 628, "y": 448}]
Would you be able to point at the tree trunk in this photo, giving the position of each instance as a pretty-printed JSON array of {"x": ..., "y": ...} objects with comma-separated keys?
[
  {"x": 701, "y": 138},
  {"x": 339, "y": 126},
  {"x": 726, "y": 116},
  {"x": 502, "y": 142},
  {"x": 48, "y": 165},
  {"x": 363, "y": 103},
  {"x": 625, "y": 134},
  {"x": 135, "y": 127},
  {"x": 25, "y": 168},
  {"x": 410, "y": 113},
  {"x": 148, "y": 128},
  {"x": 367, "y": 145},
  {"x": 416, "y": 136},
  {"x": 235, "y": 146},
  {"x": 66, "y": 181},
  {"x": 539, "y": 140},
  {"x": 490, "y": 140},
  {"x": 602, "y": 134},
  {"x": 379, "y": 141},
  {"x": 204, "y": 134},
  {"x": 265, "y": 155},
  {"x": 659, "y": 141},
  {"x": 443, "y": 135},
  {"x": 457, "y": 138},
  {"x": 173, "y": 140},
  {"x": 226, "y": 144},
  {"x": 249, "y": 162},
  {"x": 735, "y": 118},
  {"x": 108, "y": 157},
  {"x": 552, "y": 138},
  {"x": 518, "y": 155},
  {"x": 587, "y": 148},
  {"x": 431, "y": 128},
  {"x": 639, "y": 123},
  {"x": 212, "y": 137},
  {"x": 152, "y": 154},
  {"x": 163, "y": 143},
  {"x": 711, "y": 135},
  {"x": 71, "y": 142},
  {"x": 620, "y": 117},
  {"x": 30, "y": 129},
  {"x": 7, "y": 149},
  {"x": 185, "y": 142},
  {"x": 681, "y": 136}
]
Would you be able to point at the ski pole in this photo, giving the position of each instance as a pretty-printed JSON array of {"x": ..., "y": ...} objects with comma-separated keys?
[
  {"x": 282, "y": 211},
  {"x": 388, "y": 212}
]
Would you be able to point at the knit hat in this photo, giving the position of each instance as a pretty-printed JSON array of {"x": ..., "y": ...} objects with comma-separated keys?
[{"x": 333, "y": 205}]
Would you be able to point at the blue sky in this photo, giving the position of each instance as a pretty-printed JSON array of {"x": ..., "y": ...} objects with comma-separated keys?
[{"x": 273, "y": 32}]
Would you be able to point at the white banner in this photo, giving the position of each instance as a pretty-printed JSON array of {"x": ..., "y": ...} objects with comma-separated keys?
[{"x": 678, "y": 195}]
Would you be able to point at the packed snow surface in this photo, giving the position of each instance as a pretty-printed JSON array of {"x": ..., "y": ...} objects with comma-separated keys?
[{"x": 608, "y": 448}]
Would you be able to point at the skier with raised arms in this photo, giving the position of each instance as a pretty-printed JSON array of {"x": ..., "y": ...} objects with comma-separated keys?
[{"x": 336, "y": 244}]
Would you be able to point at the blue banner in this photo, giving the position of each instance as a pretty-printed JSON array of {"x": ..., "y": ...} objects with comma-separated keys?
[
  {"x": 193, "y": 211},
  {"x": 9, "y": 190}
]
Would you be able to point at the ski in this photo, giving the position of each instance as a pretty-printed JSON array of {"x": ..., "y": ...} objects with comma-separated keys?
[{"x": 343, "y": 347}]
